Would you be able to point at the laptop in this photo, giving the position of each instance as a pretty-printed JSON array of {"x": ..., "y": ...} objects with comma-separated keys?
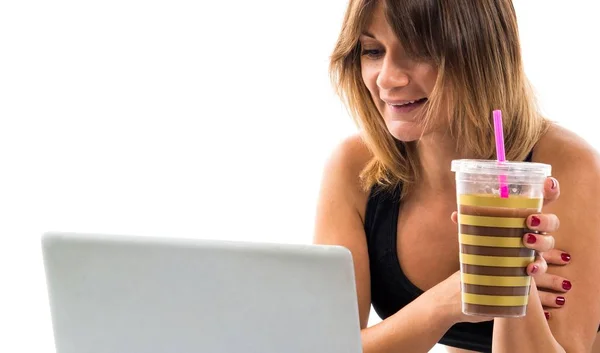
[{"x": 138, "y": 294}]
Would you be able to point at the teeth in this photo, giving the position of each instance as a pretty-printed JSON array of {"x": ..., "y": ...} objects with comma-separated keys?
[{"x": 399, "y": 105}]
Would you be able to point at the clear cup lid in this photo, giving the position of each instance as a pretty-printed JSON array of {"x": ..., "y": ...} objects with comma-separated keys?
[{"x": 493, "y": 167}]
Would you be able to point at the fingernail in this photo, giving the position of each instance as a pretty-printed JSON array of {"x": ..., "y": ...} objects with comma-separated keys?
[
  {"x": 535, "y": 221},
  {"x": 531, "y": 239},
  {"x": 554, "y": 183},
  {"x": 560, "y": 300},
  {"x": 565, "y": 257},
  {"x": 547, "y": 315},
  {"x": 534, "y": 268},
  {"x": 566, "y": 285}
]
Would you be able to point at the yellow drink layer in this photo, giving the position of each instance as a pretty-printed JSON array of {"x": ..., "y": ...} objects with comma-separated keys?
[
  {"x": 497, "y": 281},
  {"x": 482, "y": 240},
  {"x": 496, "y": 300},
  {"x": 496, "y": 201},
  {"x": 483, "y": 221}
]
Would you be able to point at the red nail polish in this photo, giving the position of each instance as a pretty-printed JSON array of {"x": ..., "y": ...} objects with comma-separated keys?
[
  {"x": 566, "y": 285},
  {"x": 535, "y": 221},
  {"x": 547, "y": 315},
  {"x": 565, "y": 257},
  {"x": 531, "y": 239},
  {"x": 534, "y": 268},
  {"x": 560, "y": 300}
]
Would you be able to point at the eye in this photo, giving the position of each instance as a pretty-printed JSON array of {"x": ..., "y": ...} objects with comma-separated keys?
[{"x": 371, "y": 53}]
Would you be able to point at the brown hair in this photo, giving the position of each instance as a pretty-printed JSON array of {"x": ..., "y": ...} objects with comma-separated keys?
[{"x": 475, "y": 47}]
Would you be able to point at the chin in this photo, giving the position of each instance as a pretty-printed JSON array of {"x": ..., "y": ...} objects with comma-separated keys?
[{"x": 405, "y": 131}]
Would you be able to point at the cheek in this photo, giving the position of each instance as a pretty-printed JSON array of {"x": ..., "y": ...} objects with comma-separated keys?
[
  {"x": 429, "y": 74},
  {"x": 369, "y": 77}
]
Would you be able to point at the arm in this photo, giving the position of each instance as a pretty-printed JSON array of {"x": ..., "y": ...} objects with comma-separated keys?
[
  {"x": 530, "y": 333},
  {"x": 573, "y": 328},
  {"x": 415, "y": 328},
  {"x": 339, "y": 220}
]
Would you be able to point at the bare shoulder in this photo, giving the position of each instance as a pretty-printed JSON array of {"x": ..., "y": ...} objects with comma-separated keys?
[
  {"x": 342, "y": 170},
  {"x": 572, "y": 158},
  {"x": 340, "y": 212},
  {"x": 352, "y": 153},
  {"x": 576, "y": 166}
]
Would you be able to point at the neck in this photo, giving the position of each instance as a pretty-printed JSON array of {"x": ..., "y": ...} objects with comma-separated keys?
[{"x": 436, "y": 152}]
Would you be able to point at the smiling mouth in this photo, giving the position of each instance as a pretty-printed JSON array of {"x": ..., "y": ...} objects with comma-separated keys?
[
  {"x": 407, "y": 106},
  {"x": 409, "y": 103}
]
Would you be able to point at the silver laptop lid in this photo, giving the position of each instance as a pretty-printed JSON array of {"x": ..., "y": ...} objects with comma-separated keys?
[{"x": 129, "y": 294}]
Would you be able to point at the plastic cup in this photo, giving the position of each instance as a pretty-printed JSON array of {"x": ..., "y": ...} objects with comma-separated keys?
[{"x": 493, "y": 260}]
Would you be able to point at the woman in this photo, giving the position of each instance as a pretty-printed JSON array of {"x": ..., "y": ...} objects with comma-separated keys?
[{"x": 421, "y": 78}]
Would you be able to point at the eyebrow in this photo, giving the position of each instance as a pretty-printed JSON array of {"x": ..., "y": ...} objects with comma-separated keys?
[{"x": 367, "y": 34}]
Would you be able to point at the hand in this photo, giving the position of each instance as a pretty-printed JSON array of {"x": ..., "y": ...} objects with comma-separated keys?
[
  {"x": 547, "y": 284},
  {"x": 447, "y": 296},
  {"x": 550, "y": 287}
]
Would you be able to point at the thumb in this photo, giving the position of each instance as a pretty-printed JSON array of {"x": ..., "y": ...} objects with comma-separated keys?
[
  {"x": 454, "y": 217},
  {"x": 551, "y": 190}
]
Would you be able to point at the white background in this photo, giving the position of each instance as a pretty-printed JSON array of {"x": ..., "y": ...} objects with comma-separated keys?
[{"x": 203, "y": 119}]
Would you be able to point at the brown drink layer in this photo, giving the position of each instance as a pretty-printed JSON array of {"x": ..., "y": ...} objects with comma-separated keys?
[
  {"x": 492, "y": 251},
  {"x": 494, "y": 290},
  {"x": 492, "y": 231},
  {"x": 493, "y": 271},
  {"x": 491, "y": 310},
  {"x": 490, "y": 263}
]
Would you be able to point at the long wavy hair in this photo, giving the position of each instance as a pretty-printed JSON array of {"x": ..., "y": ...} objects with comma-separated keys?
[{"x": 475, "y": 47}]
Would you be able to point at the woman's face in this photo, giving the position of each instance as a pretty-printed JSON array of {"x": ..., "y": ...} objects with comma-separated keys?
[{"x": 399, "y": 85}]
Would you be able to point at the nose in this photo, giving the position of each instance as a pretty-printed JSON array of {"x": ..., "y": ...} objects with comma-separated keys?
[{"x": 392, "y": 75}]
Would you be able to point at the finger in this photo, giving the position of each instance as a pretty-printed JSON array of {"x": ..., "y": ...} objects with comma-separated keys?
[
  {"x": 556, "y": 257},
  {"x": 543, "y": 222},
  {"x": 538, "y": 242},
  {"x": 551, "y": 300},
  {"x": 454, "y": 217},
  {"x": 551, "y": 190},
  {"x": 537, "y": 267},
  {"x": 551, "y": 282}
]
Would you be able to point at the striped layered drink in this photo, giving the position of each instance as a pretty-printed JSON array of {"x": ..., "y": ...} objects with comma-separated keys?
[{"x": 491, "y": 226}]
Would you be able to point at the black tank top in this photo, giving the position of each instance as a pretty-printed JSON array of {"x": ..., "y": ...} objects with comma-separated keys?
[{"x": 390, "y": 288}]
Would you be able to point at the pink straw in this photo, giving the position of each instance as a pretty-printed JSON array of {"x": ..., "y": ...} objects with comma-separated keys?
[{"x": 500, "y": 153}]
